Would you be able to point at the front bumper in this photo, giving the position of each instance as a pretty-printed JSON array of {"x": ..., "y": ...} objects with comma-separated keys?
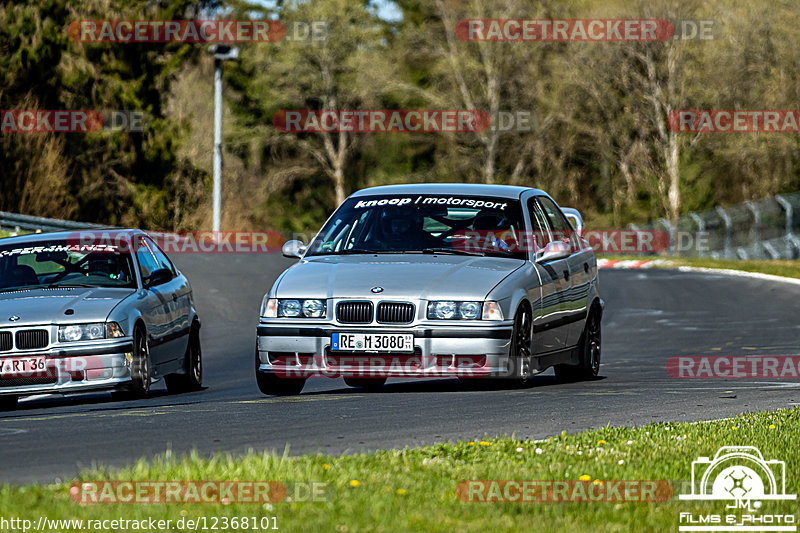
[
  {"x": 304, "y": 350},
  {"x": 89, "y": 366}
]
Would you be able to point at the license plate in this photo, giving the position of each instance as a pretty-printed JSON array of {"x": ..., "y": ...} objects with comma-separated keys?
[
  {"x": 372, "y": 342},
  {"x": 22, "y": 366}
]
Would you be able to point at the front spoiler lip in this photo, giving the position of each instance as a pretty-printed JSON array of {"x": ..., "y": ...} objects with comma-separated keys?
[
  {"x": 63, "y": 384},
  {"x": 55, "y": 388}
]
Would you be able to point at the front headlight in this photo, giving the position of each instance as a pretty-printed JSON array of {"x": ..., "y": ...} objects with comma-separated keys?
[
  {"x": 292, "y": 308},
  {"x": 447, "y": 310},
  {"x": 82, "y": 332}
]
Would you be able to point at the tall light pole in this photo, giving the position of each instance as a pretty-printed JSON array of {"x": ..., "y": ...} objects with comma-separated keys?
[{"x": 221, "y": 53}]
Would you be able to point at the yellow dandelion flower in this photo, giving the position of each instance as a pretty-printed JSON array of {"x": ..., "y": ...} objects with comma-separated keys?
[
  {"x": 601, "y": 442},
  {"x": 585, "y": 478},
  {"x": 354, "y": 483},
  {"x": 772, "y": 426},
  {"x": 484, "y": 443},
  {"x": 470, "y": 444},
  {"x": 597, "y": 482},
  {"x": 401, "y": 492},
  {"x": 326, "y": 466}
]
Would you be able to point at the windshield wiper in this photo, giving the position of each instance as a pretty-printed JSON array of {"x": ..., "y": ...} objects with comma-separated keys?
[
  {"x": 23, "y": 288},
  {"x": 450, "y": 251},
  {"x": 351, "y": 251},
  {"x": 57, "y": 285}
]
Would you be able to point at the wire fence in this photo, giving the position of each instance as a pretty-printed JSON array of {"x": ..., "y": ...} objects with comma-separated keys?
[{"x": 762, "y": 229}]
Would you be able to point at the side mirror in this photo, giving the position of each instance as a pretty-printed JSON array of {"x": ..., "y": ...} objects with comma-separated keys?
[
  {"x": 158, "y": 277},
  {"x": 294, "y": 249},
  {"x": 553, "y": 251},
  {"x": 575, "y": 218}
]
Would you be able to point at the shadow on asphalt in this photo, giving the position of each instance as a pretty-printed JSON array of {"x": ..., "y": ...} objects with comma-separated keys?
[
  {"x": 104, "y": 400},
  {"x": 449, "y": 385}
]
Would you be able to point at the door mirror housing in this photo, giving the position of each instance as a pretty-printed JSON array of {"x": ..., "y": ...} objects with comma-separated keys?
[
  {"x": 554, "y": 251},
  {"x": 575, "y": 218},
  {"x": 158, "y": 277},
  {"x": 294, "y": 248}
]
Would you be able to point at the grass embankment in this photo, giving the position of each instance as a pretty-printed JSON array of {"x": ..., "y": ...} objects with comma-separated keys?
[
  {"x": 415, "y": 489},
  {"x": 786, "y": 268}
]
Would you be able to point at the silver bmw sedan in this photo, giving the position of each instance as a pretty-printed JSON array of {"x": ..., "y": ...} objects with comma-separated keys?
[
  {"x": 434, "y": 280},
  {"x": 94, "y": 310}
]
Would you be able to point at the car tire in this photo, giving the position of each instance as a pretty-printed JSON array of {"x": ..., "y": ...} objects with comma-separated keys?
[
  {"x": 8, "y": 403},
  {"x": 272, "y": 385},
  {"x": 520, "y": 356},
  {"x": 368, "y": 384},
  {"x": 141, "y": 368},
  {"x": 589, "y": 350},
  {"x": 192, "y": 380}
]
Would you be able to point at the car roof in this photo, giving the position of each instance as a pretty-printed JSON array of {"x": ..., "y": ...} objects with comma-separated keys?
[
  {"x": 31, "y": 238},
  {"x": 477, "y": 189}
]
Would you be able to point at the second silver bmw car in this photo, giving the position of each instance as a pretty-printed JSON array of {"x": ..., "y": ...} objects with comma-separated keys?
[
  {"x": 434, "y": 280},
  {"x": 94, "y": 310}
]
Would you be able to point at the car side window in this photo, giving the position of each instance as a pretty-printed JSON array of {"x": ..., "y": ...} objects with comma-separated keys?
[
  {"x": 541, "y": 231},
  {"x": 161, "y": 258},
  {"x": 144, "y": 256},
  {"x": 561, "y": 227}
]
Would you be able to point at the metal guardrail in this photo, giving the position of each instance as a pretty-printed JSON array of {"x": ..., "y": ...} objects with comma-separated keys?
[
  {"x": 761, "y": 229},
  {"x": 17, "y": 223}
]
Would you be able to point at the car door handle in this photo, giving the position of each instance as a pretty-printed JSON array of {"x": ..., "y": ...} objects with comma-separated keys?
[
  {"x": 174, "y": 297},
  {"x": 566, "y": 275}
]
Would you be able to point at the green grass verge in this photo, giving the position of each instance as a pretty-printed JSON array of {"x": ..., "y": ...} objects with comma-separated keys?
[
  {"x": 415, "y": 489},
  {"x": 786, "y": 268}
]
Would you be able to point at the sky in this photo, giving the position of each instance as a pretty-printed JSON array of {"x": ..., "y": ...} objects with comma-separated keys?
[{"x": 387, "y": 9}]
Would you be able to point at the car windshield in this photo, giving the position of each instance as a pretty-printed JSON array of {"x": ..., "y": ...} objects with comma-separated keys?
[
  {"x": 421, "y": 223},
  {"x": 62, "y": 263}
]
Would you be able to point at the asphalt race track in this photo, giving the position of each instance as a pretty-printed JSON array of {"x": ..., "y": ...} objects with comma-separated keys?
[{"x": 651, "y": 315}]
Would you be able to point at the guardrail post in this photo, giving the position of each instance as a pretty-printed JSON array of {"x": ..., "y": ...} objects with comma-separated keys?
[
  {"x": 787, "y": 207},
  {"x": 756, "y": 223},
  {"x": 727, "y": 220},
  {"x": 701, "y": 229},
  {"x": 671, "y": 231},
  {"x": 791, "y": 240}
]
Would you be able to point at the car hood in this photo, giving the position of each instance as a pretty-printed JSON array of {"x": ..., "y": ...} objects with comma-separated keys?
[
  {"x": 47, "y": 306},
  {"x": 428, "y": 277}
]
